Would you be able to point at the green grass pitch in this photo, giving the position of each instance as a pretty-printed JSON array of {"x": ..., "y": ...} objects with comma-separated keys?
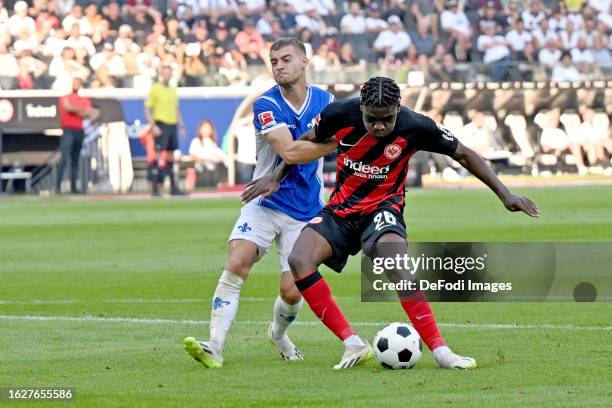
[{"x": 112, "y": 288}]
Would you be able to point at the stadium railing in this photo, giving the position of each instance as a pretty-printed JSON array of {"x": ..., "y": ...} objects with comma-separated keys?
[{"x": 358, "y": 73}]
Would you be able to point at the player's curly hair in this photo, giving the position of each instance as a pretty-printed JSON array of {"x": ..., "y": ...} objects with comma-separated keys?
[{"x": 380, "y": 91}]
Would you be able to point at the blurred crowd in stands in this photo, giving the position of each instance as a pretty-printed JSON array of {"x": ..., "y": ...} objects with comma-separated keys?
[
  {"x": 556, "y": 140},
  {"x": 121, "y": 43}
]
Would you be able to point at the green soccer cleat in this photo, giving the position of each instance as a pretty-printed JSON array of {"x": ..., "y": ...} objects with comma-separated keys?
[{"x": 203, "y": 353}]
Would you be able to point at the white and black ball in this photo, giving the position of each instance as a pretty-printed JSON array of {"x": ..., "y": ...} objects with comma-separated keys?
[{"x": 398, "y": 346}]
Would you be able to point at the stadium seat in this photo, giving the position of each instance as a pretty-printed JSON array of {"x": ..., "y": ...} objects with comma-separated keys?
[
  {"x": 571, "y": 122},
  {"x": 490, "y": 121},
  {"x": 453, "y": 121},
  {"x": 8, "y": 83},
  {"x": 540, "y": 118},
  {"x": 518, "y": 129},
  {"x": 601, "y": 119}
]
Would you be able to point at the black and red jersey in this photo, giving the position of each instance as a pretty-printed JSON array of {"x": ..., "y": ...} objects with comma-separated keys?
[{"x": 371, "y": 171}]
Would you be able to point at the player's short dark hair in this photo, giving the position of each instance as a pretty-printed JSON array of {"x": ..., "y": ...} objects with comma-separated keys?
[
  {"x": 380, "y": 92},
  {"x": 284, "y": 42}
]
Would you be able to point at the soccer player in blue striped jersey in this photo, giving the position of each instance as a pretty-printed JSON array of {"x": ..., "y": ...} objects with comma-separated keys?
[{"x": 281, "y": 115}]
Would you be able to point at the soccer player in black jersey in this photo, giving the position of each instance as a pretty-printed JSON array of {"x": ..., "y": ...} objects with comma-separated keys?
[{"x": 375, "y": 138}]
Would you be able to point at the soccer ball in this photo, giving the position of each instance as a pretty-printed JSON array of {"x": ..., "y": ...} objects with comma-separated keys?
[{"x": 398, "y": 346}]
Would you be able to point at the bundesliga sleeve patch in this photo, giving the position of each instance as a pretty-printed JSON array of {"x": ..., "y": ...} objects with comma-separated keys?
[{"x": 266, "y": 119}]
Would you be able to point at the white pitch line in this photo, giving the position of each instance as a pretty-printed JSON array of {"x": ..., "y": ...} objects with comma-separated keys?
[
  {"x": 206, "y": 301},
  {"x": 78, "y": 301},
  {"x": 488, "y": 326}
]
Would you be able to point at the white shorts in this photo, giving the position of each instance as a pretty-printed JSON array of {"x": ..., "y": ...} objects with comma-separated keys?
[{"x": 262, "y": 225}]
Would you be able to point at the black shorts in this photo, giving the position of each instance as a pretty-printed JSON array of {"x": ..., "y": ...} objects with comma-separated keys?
[
  {"x": 347, "y": 237},
  {"x": 167, "y": 140}
]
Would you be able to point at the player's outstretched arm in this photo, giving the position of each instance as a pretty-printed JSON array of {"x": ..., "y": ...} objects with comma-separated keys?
[
  {"x": 303, "y": 150},
  {"x": 477, "y": 166}
]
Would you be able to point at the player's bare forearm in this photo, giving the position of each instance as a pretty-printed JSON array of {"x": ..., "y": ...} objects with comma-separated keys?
[
  {"x": 477, "y": 166},
  {"x": 265, "y": 186},
  {"x": 305, "y": 151},
  {"x": 472, "y": 162},
  {"x": 268, "y": 185},
  {"x": 281, "y": 171}
]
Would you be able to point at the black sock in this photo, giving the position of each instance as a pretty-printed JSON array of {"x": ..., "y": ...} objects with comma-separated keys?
[
  {"x": 171, "y": 175},
  {"x": 152, "y": 172}
]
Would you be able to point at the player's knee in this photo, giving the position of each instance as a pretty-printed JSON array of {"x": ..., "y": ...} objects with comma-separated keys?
[
  {"x": 294, "y": 263},
  {"x": 299, "y": 264},
  {"x": 290, "y": 293},
  {"x": 239, "y": 265},
  {"x": 387, "y": 244},
  {"x": 242, "y": 256}
]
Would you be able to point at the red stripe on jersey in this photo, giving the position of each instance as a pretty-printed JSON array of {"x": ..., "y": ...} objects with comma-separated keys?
[
  {"x": 352, "y": 182},
  {"x": 347, "y": 188},
  {"x": 339, "y": 136},
  {"x": 380, "y": 193},
  {"x": 343, "y": 132},
  {"x": 377, "y": 195},
  {"x": 401, "y": 189},
  {"x": 365, "y": 144}
]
